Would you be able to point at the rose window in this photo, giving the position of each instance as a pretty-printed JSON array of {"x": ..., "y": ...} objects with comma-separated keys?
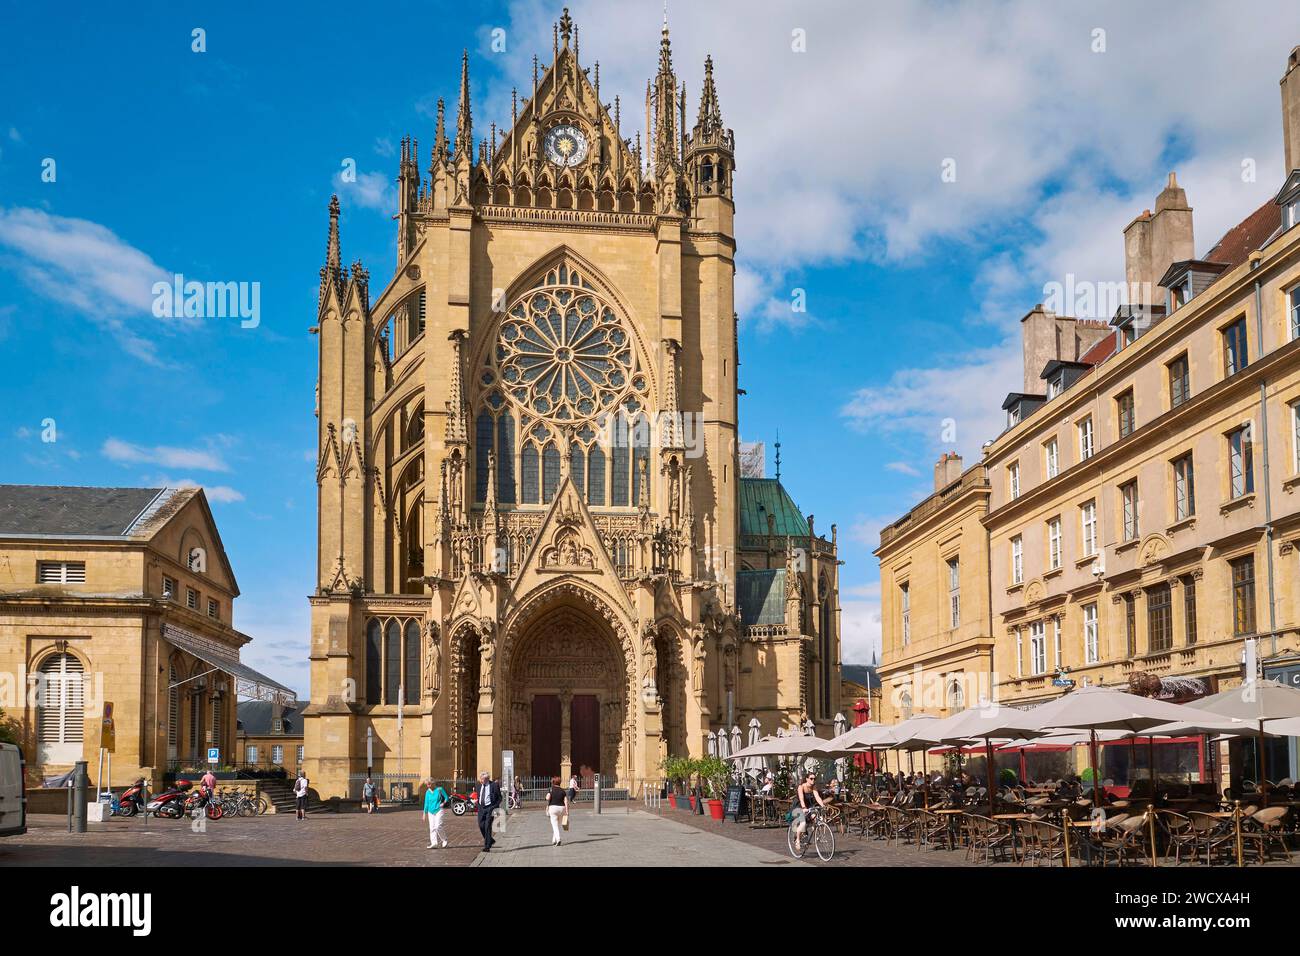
[{"x": 562, "y": 354}]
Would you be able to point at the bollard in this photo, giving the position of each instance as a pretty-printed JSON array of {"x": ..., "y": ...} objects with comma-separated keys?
[
  {"x": 80, "y": 780},
  {"x": 595, "y": 795}
]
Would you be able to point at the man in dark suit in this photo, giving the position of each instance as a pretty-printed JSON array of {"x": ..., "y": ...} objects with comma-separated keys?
[{"x": 489, "y": 798}]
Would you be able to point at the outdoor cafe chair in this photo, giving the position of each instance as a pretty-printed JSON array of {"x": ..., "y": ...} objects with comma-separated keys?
[
  {"x": 1264, "y": 828},
  {"x": 1042, "y": 842},
  {"x": 986, "y": 838},
  {"x": 1213, "y": 833},
  {"x": 930, "y": 829},
  {"x": 1181, "y": 834},
  {"x": 902, "y": 824},
  {"x": 1123, "y": 839}
]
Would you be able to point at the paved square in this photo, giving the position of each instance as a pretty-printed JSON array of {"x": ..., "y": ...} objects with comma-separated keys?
[{"x": 618, "y": 837}]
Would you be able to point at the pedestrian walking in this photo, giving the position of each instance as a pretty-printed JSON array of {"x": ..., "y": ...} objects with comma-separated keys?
[
  {"x": 557, "y": 810},
  {"x": 573, "y": 788},
  {"x": 489, "y": 798},
  {"x": 435, "y": 805},
  {"x": 368, "y": 793},
  {"x": 300, "y": 793}
]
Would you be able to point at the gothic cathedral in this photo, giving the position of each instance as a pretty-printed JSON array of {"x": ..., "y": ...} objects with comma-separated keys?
[{"x": 533, "y": 533}]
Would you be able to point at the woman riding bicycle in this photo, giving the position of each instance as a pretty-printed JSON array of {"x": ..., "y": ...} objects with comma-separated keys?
[{"x": 804, "y": 799}]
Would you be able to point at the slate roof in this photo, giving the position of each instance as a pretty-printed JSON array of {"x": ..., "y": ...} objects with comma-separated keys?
[
  {"x": 760, "y": 595},
  {"x": 255, "y": 718},
  {"x": 862, "y": 674},
  {"x": 760, "y": 497},
  {"x": 59, "y": 510}
]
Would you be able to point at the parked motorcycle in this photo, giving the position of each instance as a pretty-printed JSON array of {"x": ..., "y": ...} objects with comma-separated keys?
[
  {"x": 171, "y": 802},
  {"x": 461, "y": 804},
  {"x": 131, "y": 801},
  {"x": 200, "y": 801}
]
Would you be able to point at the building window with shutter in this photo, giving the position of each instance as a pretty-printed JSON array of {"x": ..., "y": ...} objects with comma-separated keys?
[
  {"x": 192, "y": 599},
  {"x": 61, "y": 709},
  {"x": 61, "y": 572},
  {"x": 213, "y": 609},
  {"x": 169, "y": 588}
]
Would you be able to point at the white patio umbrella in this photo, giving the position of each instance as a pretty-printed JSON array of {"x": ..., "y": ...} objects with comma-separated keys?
[
  {"x": 1259, "y": 702},
  {"x": 754, "y": 765},
  {"x": 722, "y": 746},
  {"x": 736, "y": 740},
  {"x": 840, "y": 726},
  {"x": 1102, "y": 708},
  {"x": 987, "y": 722},
  {"x": 712, "y": 744}
]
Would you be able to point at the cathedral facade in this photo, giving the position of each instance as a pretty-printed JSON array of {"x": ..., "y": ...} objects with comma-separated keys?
[{"x": 533, "y": 536}]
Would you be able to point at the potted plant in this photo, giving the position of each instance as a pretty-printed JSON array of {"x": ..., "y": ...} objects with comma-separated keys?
[
  {"x": 677, "y": 771},
  {"x": 715, "y": 774}
]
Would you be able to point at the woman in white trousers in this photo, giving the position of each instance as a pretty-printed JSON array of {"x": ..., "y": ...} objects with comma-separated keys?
[
  {"x": 557, "y": 806},
  {"x": 435, "y": 805}
]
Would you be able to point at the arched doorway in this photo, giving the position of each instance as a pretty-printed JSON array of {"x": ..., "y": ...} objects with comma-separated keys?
[
  {"x": 464, "y": 697},
  {"x": 567, "y": 695}
]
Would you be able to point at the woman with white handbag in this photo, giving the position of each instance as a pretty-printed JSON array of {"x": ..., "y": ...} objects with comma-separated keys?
[{"x": 557, "y": 809}]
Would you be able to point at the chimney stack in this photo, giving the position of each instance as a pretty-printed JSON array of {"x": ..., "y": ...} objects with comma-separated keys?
[
  {"x": 946, "y": 470},
  {"x": 1155, "y": 241},
  {"x": 1291, "y": 112}
]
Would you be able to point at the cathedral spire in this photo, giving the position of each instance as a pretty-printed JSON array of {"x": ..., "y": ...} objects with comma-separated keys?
[
  {"x": 440, "y": 134},
  {"x": 464, "y": 123},
  {"x": 709, "y": 122},
  {"x": 333, "y": 255},
  {"x": 331, "y": 273}
]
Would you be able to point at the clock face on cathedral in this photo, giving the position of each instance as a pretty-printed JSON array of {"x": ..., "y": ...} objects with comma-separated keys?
[{"x": 565, "y": 145}]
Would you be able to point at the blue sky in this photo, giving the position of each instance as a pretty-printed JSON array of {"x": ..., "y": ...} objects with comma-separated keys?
[{"x": 219, "y": 165}]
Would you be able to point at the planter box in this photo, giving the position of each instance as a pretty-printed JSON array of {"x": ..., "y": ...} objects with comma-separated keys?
[{"x": 715, "y": 809}]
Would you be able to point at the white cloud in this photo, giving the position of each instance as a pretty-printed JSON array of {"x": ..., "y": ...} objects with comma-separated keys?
[
  {"x": 206, "y": 459},
  {"x": 370, "y": 191},
  {"x": 921, "y": 403},
  {"x": 840, "y": 148},
  {"x": 88, "y": 268},
  {"x": 220, "y": 494},
  {"x": 902, "y": 468}
]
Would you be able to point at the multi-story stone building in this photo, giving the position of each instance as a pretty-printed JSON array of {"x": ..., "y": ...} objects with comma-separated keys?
[
  {"x": 119, "y": 602},
  {"x": 1142, "y": 512},
  {"x": 268, "y": 736},
  {"x": 531, "y": 535},
  {"x": 936, "y": 645}
]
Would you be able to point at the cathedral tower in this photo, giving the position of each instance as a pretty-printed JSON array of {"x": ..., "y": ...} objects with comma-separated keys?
[{"x": 532, "y": 533}]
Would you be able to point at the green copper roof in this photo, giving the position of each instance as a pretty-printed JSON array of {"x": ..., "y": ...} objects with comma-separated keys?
[
  {"x": 760, "y": 497},
  {"x": 761, "y": 596}
]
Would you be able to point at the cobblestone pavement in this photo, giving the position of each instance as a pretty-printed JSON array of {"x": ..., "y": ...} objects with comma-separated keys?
[
  {"x": 388, "y": 838},
  {"x": 621, "y": 838}
]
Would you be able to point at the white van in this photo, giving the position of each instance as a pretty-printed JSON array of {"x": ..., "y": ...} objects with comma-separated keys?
[{"x": 13, "y": 791}]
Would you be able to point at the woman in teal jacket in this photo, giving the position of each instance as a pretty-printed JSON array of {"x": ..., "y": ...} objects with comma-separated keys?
[{"x": 435, "y": 804}]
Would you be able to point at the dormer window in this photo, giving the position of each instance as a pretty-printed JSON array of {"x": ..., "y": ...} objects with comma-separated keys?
[{"x": 1184, "y": 280}]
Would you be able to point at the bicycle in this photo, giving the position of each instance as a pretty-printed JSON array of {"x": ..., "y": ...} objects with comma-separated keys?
[{"x": 817, "y": 831}]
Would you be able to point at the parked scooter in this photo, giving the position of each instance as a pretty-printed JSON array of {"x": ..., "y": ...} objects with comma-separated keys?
[
  {"x": 131, "y": 801},
  {"x": 460, "y": 804},
  {"x": 171, "y": 802},
  {"x": 200, "y": 801}
]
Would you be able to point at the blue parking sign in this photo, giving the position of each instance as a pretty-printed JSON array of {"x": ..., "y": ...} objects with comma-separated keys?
[{"x": 214, "y": 755}]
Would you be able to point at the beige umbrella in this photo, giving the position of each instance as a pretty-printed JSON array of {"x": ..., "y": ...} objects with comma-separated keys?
[
  {"x": 989, "y": 722},
  {"x": 1260, "y": 702},
  {"x": 1101, "y": 708},
  {"x": 790, "y": 745}
]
